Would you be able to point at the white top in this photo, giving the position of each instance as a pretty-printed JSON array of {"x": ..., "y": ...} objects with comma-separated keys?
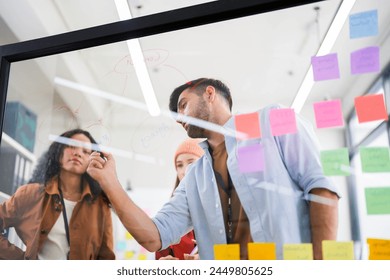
[{"x": 56, "y": 246}]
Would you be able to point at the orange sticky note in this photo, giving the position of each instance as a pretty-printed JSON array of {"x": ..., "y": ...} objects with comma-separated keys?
[
  {"x": 227, "y": 251},
  {"x": 248, "y": 124},
  {"x": 336, "y": 250},
  {"x": 302, "y": 251},
  {"x": 370, "y": 108},
  {"x": 261, "y": 251},
  {"x": 379, "y": 249}
]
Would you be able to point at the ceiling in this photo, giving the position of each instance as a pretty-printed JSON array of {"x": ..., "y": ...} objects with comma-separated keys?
[{"x": 262, "y": 58}]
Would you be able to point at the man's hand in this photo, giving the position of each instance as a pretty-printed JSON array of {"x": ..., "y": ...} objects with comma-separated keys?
[
  {"x": 191, "y": 257},
  {"x": 134, "y": 219},
  {"x": 103, "y": 170},
  {"x": 168, "y": 258}
]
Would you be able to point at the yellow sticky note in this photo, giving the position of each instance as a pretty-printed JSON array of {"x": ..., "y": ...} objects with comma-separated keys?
[
  {"x": 336, "y": 250},
  {"x": 128, "y": 236},
  {"x": 379, "y": 249},
  {"x": 261, "y": 251},
  {"x": 227, "y": 251},
  {"x": 142, "y": 257},
  {"x": 129, "y": 255},
  {"x": 302, "y": 251}
]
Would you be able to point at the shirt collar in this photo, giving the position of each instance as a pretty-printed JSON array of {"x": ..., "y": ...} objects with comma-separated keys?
[{"x": 229, "y": 141}]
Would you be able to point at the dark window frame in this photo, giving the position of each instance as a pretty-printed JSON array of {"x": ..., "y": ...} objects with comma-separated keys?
[{"x": 192, "y": 16}]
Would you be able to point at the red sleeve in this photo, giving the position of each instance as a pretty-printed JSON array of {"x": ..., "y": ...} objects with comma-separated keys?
[
  {"x": 185, "y": 246},
  {"x": 162, "y": 253}
]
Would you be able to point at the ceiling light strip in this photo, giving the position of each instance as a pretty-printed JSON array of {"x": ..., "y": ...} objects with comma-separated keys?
[
  {"x": 139, "y": 62},
  {"x": 325, "y": 48}
]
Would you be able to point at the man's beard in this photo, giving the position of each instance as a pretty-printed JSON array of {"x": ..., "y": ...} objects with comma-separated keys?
[{"x": 194, "y": 131}]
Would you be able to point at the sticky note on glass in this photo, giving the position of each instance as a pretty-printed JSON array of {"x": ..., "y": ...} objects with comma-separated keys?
[
  {"x": 302, "y": 251},
  {"x": 377, "y": 200},
  {"x": 248, "y": 124},
  {"x": 251, "y": 158},
  {"x": 370, "y": 107},
  {"x": 328, "y": 114},
  {"x": 336, "y": 250},
  {"x": 325, "y": 67},
  {"x": 121, "y": 245},
  {"x": 379, "y": 249},
  {"x": 335, "y": 162},
  {"x": 128, "y": 236},
  {"x": 261, "y": 251},
  {"x": 375, "y": 159},
  {"x": 226, "y": 251},
  {"x": 365, "y": 61},
  {"x": 363, "y": 24},
  {"x": 282, "y": 121},
  {"x": 129, "y": 255}
]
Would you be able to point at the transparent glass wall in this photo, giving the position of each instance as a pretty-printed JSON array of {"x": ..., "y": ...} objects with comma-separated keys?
[{"x": 262, "y": 58}]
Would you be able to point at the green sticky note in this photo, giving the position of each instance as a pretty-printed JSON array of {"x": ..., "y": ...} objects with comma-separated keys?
[
  {"x": 377, "y": 200},
  {"x": 375, "y": 159},
  {"x": 335, "y": 162}
]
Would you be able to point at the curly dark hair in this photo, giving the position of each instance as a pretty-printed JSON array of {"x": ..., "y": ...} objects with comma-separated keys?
[
  {"x": 199, "y": 86},
  {"x": 49, "y": 166}
]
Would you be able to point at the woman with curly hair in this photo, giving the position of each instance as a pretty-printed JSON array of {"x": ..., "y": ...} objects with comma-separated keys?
[{"x": 62, "y": 213}]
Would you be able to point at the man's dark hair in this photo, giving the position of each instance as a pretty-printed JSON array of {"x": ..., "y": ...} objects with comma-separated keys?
[
  {"x": 199, "y": 86},
  {"x": 49, "y": 165}
]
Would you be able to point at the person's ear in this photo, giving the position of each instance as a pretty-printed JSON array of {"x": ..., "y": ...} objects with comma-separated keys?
[{"x": 210, "y": 93}]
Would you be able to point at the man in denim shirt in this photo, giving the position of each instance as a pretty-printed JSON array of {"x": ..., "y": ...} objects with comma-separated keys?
[{"x": 288, "y": 201}]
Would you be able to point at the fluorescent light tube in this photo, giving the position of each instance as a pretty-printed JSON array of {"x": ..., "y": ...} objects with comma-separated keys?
[
  {"x": 325, "y": 48},
  {"x": 139, "y": 63}
]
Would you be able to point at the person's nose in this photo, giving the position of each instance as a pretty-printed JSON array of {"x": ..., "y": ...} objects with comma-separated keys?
[
  {"x": 76, "y": 151},
  {"x": 181, "y": 123},
  {"x": 180, "y": 118}
]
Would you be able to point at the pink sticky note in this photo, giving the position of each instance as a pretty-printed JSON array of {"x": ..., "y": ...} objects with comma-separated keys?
[
  {"x": 328, "y": 113},
  {"x": 249, "y": 124},
  {"x": 365, "y": 61},
  {"x": 325, "y": 67},
  {"x": 282, "y": 121},
  {"x": 370, "y": 107},
  {"x": 251, "y": 158}
]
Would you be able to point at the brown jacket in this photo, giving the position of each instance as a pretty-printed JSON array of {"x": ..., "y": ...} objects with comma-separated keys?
[{"x": 34, "y": 209}]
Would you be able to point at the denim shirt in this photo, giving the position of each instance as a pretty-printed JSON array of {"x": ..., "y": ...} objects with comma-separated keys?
[{"x": 275, "y": 199}]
